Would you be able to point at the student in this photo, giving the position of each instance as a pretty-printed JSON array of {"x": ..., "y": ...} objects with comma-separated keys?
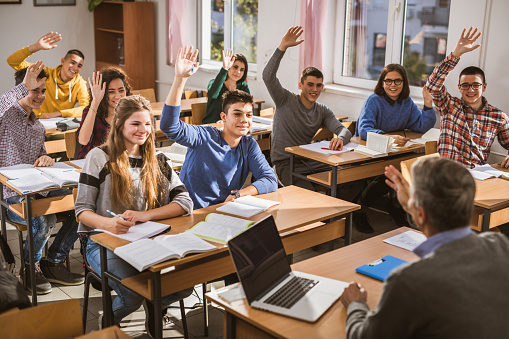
[
  {"x": 231, "y": 76},
  {"x": 65, "y": 86},
  {"x": 23, "y": 143},
  {"x": 127, "y": 176},
  {"x": 217, "y": 161},
  {"x": 457, "y": 288},
  {"x": 390, "y": 109},
  {"x": 469, "y": 125},
  {"x": 298, "y": 117},
  {"x": 98, "y": 116}
]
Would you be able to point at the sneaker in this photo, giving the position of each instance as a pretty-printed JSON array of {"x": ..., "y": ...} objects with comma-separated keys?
[
  {"x": 58, "y": 273},
  {"x": 361, "y": 223},
  {"x": 100, "y": 323},
  {"x": 42, "y": 286}
]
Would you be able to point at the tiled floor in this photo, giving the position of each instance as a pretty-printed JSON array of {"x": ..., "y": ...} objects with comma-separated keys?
[{"x": 134, "y": 324}]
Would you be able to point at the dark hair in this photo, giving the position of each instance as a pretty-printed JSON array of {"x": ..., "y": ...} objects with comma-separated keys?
[
  {"x": 232, "y": 97},
  {"x": 379, "y": 88},
  {"x": 473, "y": 70},
  {"x": 20, "y": 75},
  {"x": 109, "y": 74},
  {"x": 310, "y": 71},
  {"x": 241, "y": 58},
  {"x": 75, "y": 52},
  {"x": 445, "y": 190}
]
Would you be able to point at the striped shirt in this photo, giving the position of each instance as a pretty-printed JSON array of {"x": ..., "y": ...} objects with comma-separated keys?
[
  {"x": 94, "y": 188},
  {"x": 466, "y": 135},
  {"x": 22, "y": 134}
]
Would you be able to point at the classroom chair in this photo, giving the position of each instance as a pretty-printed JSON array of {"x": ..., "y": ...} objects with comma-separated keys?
[
  {"x": 70, "y": 145},
  {"x": 267, "y": 111},
  {"x": 148, "y": 93},
  {"x": 198, "y": 113}
]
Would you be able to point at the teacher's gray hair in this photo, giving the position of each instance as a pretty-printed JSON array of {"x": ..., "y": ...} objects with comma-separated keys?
[{"x": 445, "y": 190}]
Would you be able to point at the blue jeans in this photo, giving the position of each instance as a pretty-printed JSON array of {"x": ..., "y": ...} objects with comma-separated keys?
[
  {"x": 126, "y": 301},
  {"x": 42, "y": 227}
]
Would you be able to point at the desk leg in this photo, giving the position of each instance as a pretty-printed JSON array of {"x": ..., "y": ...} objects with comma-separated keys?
[
  {"x": 348, "y": 228},
  {"x": 258, "y": 109},
  {"x": 157, "y": 304},
  {"x": 107, "y": 308},
  {"x": 486, "y": 220},
  {"x": 3, "y": 214},
  {"x": 334, "y": 182},
  {"x": 30, "y": 231},
  {"x": 292, "y": 167},
  {"x": 229, "y": 326}
]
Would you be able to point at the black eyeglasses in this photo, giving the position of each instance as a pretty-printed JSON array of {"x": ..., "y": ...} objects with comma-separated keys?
[
  {"x": 464, "y": 86},
  {"x": 396, "y": 82}
]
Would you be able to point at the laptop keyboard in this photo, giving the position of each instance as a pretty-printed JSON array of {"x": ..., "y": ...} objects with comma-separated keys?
[{"x": 291, "y": 292}]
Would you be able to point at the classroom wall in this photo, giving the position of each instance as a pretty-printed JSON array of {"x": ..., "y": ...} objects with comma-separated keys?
[{"x": 22, "y": 25}]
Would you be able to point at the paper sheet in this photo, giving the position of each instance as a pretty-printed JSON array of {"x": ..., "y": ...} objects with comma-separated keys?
[{"x": 408, "y": 240}]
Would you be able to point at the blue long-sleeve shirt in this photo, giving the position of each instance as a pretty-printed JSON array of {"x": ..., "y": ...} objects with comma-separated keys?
[
  {"x": 212, "y": 168},
  {"x": 380, "y": 114}
]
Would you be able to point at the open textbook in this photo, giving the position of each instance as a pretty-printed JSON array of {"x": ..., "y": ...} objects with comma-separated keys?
[
  {"x": 144, "y": 253},
  {"x": 323, "y": 147},
  {"x": 247, "y": 206},
  {"x": 487, "y": 172},
  {"x": 26, "y": 178},
  {"x": 377, "y": 145},
  {"x": 220, "y": 228}
]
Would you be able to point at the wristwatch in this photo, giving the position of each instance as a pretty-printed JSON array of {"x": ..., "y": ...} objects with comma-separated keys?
[{"x": 235, "y": 193}]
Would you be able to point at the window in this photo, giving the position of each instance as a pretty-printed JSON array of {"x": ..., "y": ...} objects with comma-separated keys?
[
  {"x": 379, "y": 32},
  {"x": 228, "y": 24}
]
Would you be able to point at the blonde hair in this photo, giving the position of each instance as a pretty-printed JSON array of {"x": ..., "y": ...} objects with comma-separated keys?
[{"x": 121, "y": 180}]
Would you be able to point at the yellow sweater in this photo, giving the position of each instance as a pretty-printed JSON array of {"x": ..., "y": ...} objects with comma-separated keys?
[{"x": 60, "y": 96}]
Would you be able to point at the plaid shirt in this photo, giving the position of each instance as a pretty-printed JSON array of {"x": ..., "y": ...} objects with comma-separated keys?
[
  {"x": 466, "y": 135},
  {"x": 22, "y": 140},
  {"x": 98, "y": 137}
]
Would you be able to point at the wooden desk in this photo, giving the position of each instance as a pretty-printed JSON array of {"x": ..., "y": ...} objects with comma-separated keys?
[
  {"x": 56, "y": 146},
  {"x": 492, "y": 203},
  {"x": 33, "y": 208},
  {"x": 351, "y": 166},
  {"x": 299, "y": 207},
  {"x": 242, "y": 321}
]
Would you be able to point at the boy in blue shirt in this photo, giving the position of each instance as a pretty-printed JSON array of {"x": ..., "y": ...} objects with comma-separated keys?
[{"x": 217, "y": 161}]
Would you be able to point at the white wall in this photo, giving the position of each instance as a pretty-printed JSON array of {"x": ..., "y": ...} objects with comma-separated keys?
[{"x": 22, "y": 25}]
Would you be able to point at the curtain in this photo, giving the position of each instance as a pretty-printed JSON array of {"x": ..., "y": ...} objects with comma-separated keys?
[
  {"x": 313, "y": 16},
  {"x": 175, "y": 28}
]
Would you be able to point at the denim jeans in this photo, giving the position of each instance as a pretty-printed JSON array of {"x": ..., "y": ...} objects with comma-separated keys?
[
  {"x": 126, "y": 301},
  {"x": 42, "y": 227}
]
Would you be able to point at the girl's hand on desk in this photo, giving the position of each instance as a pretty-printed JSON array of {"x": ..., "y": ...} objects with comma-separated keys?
[
  {"x": 118, "y": 226},
  {"x": 336, "y": 144},
  {"x": 399, "y": 140},
  {"x": 505, "y": 162},
  {"x": 44, "y": 161},
  {"x": 135, "y": 216}
]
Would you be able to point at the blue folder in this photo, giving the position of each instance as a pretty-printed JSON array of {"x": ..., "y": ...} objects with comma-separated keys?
[{"x": 381, "y": 268}]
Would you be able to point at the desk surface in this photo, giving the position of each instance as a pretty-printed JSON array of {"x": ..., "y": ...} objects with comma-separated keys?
[
  {"x": 339, "y": 264},
  {"x": 352, "y": 157},
  {"x": 299, "y": 207},
  {"x": 492, "y": 193}
]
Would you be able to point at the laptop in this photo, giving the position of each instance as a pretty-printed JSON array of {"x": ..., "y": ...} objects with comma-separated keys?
[{"x": 268, "y": 281}]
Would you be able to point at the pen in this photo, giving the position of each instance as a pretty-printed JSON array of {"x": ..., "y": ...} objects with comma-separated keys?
[
  {"x": 404, "y": 132},
  {"x": 330, "y": 149},
  {"x": 115, "y": 215}
]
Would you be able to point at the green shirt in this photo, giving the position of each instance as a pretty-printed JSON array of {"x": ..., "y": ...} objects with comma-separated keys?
[{"x": 215, "y": 92}]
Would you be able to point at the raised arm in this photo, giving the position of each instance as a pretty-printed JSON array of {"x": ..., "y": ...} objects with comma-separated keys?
[
  {"x": 97, "y": 88},
  {"x": 46, "y": 42}
]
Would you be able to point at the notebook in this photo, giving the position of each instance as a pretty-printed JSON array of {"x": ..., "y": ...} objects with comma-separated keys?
[
  {"x": 381, "y": 268},
  {"x": 268, "y": 281}
]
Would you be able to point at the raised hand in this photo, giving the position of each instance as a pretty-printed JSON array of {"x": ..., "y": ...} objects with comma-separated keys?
[
  {"x": 428, "y": 100},
  {"x": 227, "y": 59},
  {"x": 46, "y": 42},
  {"x": 290, "y": 38},
  {"x": 97, "y": 87},
  {"x": 466, "y": 42},
  {"x": 397, "y": 182},
  {"x": 31, "y": 82},
  {"x": 186, "y": 64}
]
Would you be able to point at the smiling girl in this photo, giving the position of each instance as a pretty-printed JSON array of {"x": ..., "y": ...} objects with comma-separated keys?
[
  {"x": 232, "y": 76},
  {"x": 106, "y": 89}
]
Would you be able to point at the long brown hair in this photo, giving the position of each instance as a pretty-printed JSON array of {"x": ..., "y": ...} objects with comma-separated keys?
[
  {"x": 109, "y": 74},
  {"x": 121, "y": 181},
  {"x": 379, "y": 88}
]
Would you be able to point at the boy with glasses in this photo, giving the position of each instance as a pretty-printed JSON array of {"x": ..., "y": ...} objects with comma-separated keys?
[{"x": 469, "y": 125}]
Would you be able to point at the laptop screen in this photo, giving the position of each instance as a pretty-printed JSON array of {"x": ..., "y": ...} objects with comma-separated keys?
[{"x": 259, "y": 258}]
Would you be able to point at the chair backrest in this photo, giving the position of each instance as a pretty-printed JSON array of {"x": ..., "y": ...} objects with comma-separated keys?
[
  {"x": 191, "y": 94},
  {"x": 148, "y": 93},
  {"x": 198, "y": 112},
  {"x": 267, "y": 111},
  {"x": 70, "y": 144},
  {"x": 407, "y": 165},
  {"x": 350, "y": 125},
  {"x": 56, "y": 320}
]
